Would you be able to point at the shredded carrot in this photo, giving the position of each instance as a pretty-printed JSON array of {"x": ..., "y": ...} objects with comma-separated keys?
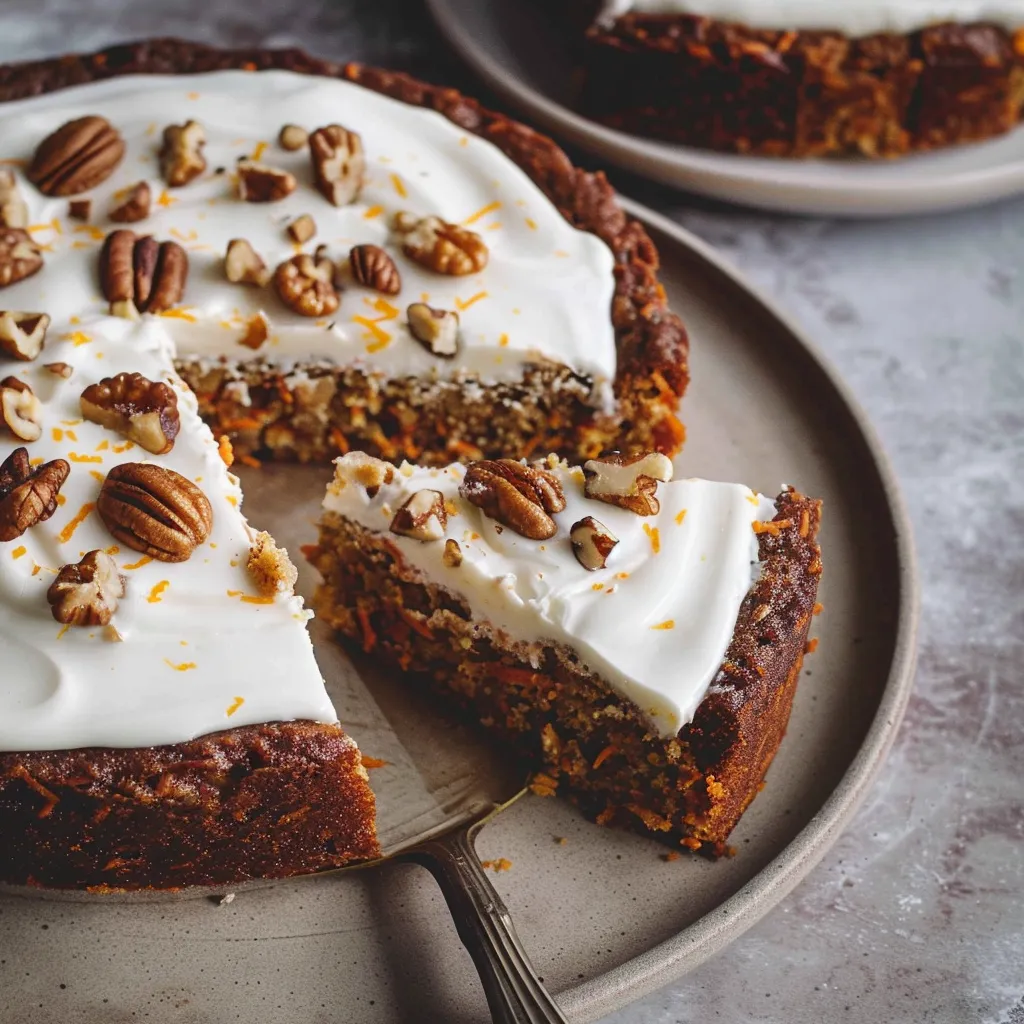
[
  {"x": 775, "y": 527},
  {"x": 251, "y": 461},
  {"x": 511, "y": 675},
  {"x": 369, "y": 636},
  {"x": 415, "y": 625},
  {"x": 604, "y": 755},
  {"x": 373, "y": 762},
  {"x": 811, "y": 646}
]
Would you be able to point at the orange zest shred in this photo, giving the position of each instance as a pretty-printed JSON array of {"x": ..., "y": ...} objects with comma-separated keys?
[
  {"x": 144, "y": 560},
  {"x": 226, "y": 450},
  {"x": 667, "y": 624},
  {"x": 75, "y": 457},
  {"x": 653, "y": 536},
  {"x": 185, "y": 666},
  {"x": 462, "y": 305},
  {"x": 69, "y": 530},
  {"x": 374, "y": 762},
  {"x": 156, "y": 595},
  {"x": 481, "y": 213},
  {"x": 372, "y": 212},
  {"x": 235, "y": 705},
  {"x": 399, "y": 185},
  {"x": 680, "y": 516},
  {"x": 19, "y": 551}
]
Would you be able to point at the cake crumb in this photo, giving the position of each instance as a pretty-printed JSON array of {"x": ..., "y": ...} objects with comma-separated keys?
[
  {"x": 670, "y": 856},
  {"x": 561, "y": 840},
  {"x": 501, "y": 864}
]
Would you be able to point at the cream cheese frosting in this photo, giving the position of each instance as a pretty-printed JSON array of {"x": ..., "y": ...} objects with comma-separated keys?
[
  {"x": 853, "y": 17},
  {"x": 655, "y": 623}
]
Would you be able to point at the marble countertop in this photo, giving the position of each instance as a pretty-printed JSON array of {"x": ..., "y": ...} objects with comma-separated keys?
[{"x": 917, "y": 913}]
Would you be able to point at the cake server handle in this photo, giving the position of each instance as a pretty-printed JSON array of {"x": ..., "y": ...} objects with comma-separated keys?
[{"x": 515, "y": 994}]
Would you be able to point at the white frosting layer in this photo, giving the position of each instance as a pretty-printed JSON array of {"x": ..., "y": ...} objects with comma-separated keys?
[
  {"x": 853, "y": 17},
  {"x": 546, "y": 291},
  {"x": 655, "y": 623}
]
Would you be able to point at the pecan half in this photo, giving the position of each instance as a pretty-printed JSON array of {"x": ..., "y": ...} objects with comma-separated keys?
[
  {"x": 292, "y": 137},
  {"x": 87, "y": 593},
  {"x": 515, "y": 494},
  {"x": 22, "y": 335},
  {"x": 302, "y": 229},
  {"x": 592, "y": 543},
  {"x": 20, "y": 409},
  {"x": 339, "y": 163},
  {"x": 13, "y": 209},
  {"x": 258, "y": 183},
  {"x": 243, "y": 265},
  {"x": 305, "y": 285},
  {"x": 628, "y": 481},
  {"x": 155, "y": 511},
  {"x": 20, "y": 256},
  {"x": 437, "y": 330},
  {"x": 422, "y": 517},
  {"x": 141, "y": 274},
  {"x": 143, "y": 410},
  {"x": 181, "y": 156},
  {"x": 373, "y": 268},
  {"x": 28, "y": 495},
  {"x": 135, "y": 206},
  {"x": 439, "y": 246},
  {"x": 76, "y": 157}
]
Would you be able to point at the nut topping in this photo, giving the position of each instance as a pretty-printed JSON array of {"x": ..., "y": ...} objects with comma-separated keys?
[
  {"x": 258, "y": 183},
  {"x": 302, "y": 229},
  {"x": 20, "y": 256},
  {"x": 20, "y": 409},
  {"x": 13, "y": 209},
  {"x": 439, "y": 246},
  {"x": 305, "y": 285},
  {"x": 339, "y": 163},
  {"x": 86, "y": 594},
  {"x": 436, "y": 329},
  {"x": 257, "y": 330},
  {"x": 141, "y": 274},
  {"x": 515, "y": 494},
  {"x": 135, "y": 206},
  {"x": 592, "y": 543},
  {"x": 292, "y": 137},
  {"x": 142, "y": 410},
  {"x": 423, "y": 517},
  {"x": 181, "y": 156},
  {"x": 28, "y": 495},
  {"x": 628, "y": 481},
  {"x": 80, "y": 209},
  {"x": 76, "y": 157},
  {"x": 59, "y": 369},
  {"x": 452, "y": 556},
  {"x": 373, "y": 268},
  {"x": 155, "y": 511},
  {"x": 22, "y": 334},
  {"x": 243, "y": 265}
]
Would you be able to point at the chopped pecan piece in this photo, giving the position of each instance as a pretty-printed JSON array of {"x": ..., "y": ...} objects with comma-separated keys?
[
  {"x": 258, "y": 183},
  {"x": 592, "y": 543},
  {"x": 22, "y": 335},
  {"x": 257, "y": 330},
  {"x": 28, "y": 495},
  {"x": 516, "y": 495},
  {"x": 76, "y": 157},
  {"x": 302, "y": 229},
  {"x": 134, "y": 207},
  {"x": 140, "y": 409},
  {"x": 87, "y": 594},
  {"x": 628, "y": 481},
  {"x": 339, "y": 163},
  {"x": 154, "y": 510},
  {"x": 181, "y": 156},
  {"x": 20, "y": 409},
  {"x": 20, "y": 256},
  {"x": 80, "y": 209},
  {"x": 452, "y": 556},
  {"x": 305, "y": 285},
  {"x": 436, "y": 329},
  {"x": 374, "y": 268},
  {"x": 243, "y": 265},
  {"x": 59, "y": 369},
  {"x": 422, "y": 517},
  {"x": 439, "y": 246},
  {"x": 292, "y": 137},
  {"x": 13, "y": 209},
  {"x": 141, "y": 275}
]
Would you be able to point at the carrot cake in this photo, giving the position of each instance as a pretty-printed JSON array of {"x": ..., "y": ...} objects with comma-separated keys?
[
  {"x": 802, "y": 78},
  {"x": 636, "y": 639}
]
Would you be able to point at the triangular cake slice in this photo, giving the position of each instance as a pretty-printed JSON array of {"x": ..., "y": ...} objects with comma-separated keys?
[{"x": 637, "y": 639}]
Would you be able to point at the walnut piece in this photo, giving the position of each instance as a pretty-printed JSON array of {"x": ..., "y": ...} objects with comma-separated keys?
[
  {"x": 181, "y": 156},
  {"x": 141, "y": 274},
  {"x": 592, "y": 543},
  {"x": 339, "y": 163},
  {"x": 142, "y": 410},
  {"x": 154, "y": 510},
  {"x": 28, "y": 495},
  {"x": 243, "y": 265},
  {"x": 22, "y": 335},
  {"x": 374, "y": 268},
  {"x": 437, "y": 330},
  {"x": 20, "y": 256},
  {"x": 302, "y": 229},
  {"x": 452, "y": 556},
  {"x": 87, "y": 594},
  {"x": 516, "y": 495},
  {"x": 20, "y": 409},
  {"x": 292, "y": 137},
  {"x": 258, "y": 183},
  {"x": 76, "y": 157},
  {"x": 134, "y": 207},
  {"x": 13, "y": 208},
  {"x": 629, "y": 481},
  {"x": 439, "y": 246},
  {"x": 59, "y": 369},
  {"x": 422, "y": 517},
  {"x": 305, "y": 285},
  {"x": 270, "y": 567}
]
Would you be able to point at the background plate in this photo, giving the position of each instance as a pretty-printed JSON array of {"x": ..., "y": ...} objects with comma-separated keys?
[
  {"x": 603, "y": 915},
  {"x": 512, "y": 46}
]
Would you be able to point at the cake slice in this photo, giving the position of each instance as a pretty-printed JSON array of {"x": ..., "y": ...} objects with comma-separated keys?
[{"x": 636, "y": 639}]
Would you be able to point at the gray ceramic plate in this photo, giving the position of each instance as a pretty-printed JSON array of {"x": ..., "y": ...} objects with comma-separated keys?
[
  {"x": 511, "y": 45},
  {"x": 603, "y": 916}
]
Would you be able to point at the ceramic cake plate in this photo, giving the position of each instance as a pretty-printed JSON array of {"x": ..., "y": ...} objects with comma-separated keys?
[
  {"x": 604, "y": 916},
  {"x": 512, "y": 46}
]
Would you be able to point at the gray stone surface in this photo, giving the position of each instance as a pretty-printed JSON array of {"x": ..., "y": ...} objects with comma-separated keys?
[{"x": 917, "y": 914}]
